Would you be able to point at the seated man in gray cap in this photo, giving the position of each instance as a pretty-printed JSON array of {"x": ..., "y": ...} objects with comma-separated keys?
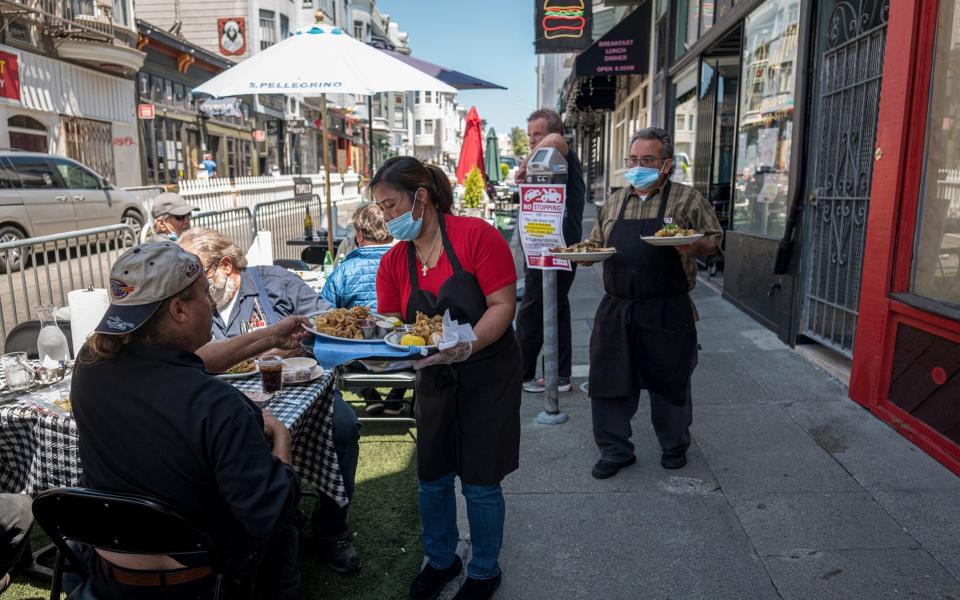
[
  {"x": 171, "y": 217},
  {"x": 152, "y": 421}
]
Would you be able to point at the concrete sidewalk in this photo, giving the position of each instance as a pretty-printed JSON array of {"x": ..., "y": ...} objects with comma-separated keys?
[{"x": 792, "y": 490}]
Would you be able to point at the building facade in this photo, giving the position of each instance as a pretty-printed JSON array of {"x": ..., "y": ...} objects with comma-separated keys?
[{"x": 68, "y": 75}]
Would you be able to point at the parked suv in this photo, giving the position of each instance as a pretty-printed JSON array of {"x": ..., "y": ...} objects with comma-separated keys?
[{"x": 45, "y": 194}]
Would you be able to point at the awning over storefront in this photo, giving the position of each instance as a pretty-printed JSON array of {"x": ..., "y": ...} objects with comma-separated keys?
[
  {"x": 222, "y": 107},
  {"x": 624, "y": 50}
]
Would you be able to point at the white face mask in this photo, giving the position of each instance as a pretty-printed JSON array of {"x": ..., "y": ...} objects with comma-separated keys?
[{"x": 222, "y": 289}]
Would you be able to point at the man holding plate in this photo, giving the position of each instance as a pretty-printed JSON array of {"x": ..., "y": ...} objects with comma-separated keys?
[{"x": 645, "y": 336}]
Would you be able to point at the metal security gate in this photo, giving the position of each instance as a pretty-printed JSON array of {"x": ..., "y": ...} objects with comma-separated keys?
[{"x": 851, "y": 40}]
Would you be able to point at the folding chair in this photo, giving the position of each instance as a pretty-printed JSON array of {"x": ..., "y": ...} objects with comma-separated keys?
[
  {"x": 23, "y": 338},
  {"x": 116, "y": 523}
]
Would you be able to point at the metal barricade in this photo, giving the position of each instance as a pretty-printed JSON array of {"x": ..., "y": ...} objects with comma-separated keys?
[
  {"x": 284, "y": 219},
  {"x": 235, "y": 223},
  {"x": 43, "y": 270}
]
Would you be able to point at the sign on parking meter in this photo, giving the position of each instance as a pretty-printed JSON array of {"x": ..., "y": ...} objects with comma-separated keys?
[{"x": 541, "y": 223}]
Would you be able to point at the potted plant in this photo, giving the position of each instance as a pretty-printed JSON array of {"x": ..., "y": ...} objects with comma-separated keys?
[{"x": 473, "y": 193}]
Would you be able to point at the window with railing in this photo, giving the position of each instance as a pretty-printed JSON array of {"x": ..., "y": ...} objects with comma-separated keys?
[{"x": 268, "y": 29}]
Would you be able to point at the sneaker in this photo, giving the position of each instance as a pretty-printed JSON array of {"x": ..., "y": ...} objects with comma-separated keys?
[
  {"x": 373, "y": 399},
  {"x": 340, "y": 554},
  {"x": 429, "y": 582},
  {"x": 393, "y": 403},
  {"x": 478, "y": 589},
  {"x": 537, "y": 386},
  {"x": 605, "y": 469}
]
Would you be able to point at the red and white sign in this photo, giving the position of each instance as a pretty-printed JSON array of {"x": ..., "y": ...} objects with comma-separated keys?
[
  {"x": 146, "y": 111},
  {"x": 541, "y": 224},
  {"x": 259, "y": 135},
  {"x": 9, "y": 76},
  {"x": 232, "y": 35}
]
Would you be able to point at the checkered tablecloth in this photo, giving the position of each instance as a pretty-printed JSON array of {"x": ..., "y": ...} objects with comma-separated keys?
[{"x": 38, "y": 449}]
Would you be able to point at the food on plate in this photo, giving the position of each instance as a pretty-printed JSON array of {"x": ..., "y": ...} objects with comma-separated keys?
[
  {"x": 671, "y": 230},
  {"x": 584, "y": 246},
  {"x": 247, "y": 366},
  {"x": 343, "y": 322},
  {"x": 63, "y": 403},
  {"x": 424, "y": 327},
  {"x": 412, "y": 340}
]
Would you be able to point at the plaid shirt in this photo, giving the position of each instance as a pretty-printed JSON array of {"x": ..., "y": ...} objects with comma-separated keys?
[{"x": 688, "y": 208}]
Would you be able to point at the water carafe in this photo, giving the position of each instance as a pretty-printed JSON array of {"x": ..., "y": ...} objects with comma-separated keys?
[{"x": 51, "y": 343}]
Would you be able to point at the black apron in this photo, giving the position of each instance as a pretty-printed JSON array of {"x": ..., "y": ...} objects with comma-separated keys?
[
  {"x": 644, "y": 334},
  {"x": 468, "y": 413}
]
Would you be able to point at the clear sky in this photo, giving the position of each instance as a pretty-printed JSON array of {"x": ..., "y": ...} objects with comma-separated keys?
[{"x": 491, "y": 39}]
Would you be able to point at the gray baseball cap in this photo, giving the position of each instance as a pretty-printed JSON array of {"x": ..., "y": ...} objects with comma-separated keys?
[
  {"x": 141, "y": 279},
  {"x": 169, "y": 203}
]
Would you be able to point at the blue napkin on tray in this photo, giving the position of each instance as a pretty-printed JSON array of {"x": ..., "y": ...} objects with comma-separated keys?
[{"x": 331, "y": 353}]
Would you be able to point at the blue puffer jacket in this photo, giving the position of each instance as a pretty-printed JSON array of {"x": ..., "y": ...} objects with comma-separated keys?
[{"x": 354, "y": 281}]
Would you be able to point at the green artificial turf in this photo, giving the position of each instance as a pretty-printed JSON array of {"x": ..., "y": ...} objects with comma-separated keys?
[{"x": 383, "y": 517}]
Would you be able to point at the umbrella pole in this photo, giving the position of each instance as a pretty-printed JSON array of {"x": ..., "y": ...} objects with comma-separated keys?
[
  {"x": 370, "y": 136},
  {"x": 326, "y": 174}
]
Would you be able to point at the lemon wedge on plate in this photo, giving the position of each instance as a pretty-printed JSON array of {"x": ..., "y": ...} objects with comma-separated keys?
[{"x": 412, "y": 340}]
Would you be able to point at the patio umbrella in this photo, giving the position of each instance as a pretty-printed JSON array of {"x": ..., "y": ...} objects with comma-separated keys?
[
  {"x": 316, "y": 61},
  {"x": 492, "y": 156},
  {"x": 457, "y": 79},
  {"x": 471, "y": 152}
]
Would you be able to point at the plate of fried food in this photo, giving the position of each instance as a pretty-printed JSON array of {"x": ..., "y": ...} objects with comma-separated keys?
[
  {"x": 357, "y": 324},
  {"x": 241, "y": 370},
  {"x": 585, "y": 251},
  {"x": 426, "y": 332},
  {"x": 672, "y": 235}
]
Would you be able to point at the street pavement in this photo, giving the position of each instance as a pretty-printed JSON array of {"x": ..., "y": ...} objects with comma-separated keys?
[{"x": 792, "y": 489}]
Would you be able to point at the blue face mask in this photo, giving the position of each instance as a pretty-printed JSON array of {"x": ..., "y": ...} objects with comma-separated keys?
[
  {"x": 405, "y": 227},
  {"x": 173, "y": 236},
  {"x": 642, "y": 177}
]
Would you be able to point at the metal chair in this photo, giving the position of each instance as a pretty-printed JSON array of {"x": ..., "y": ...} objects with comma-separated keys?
[
  {"x": 23, "y": 338},
  {"x": 357, "y": 379},
  {"x": 118, "y": 523}
]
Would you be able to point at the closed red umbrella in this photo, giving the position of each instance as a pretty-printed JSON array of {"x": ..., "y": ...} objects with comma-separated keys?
[{"x": 471, "y": 153}]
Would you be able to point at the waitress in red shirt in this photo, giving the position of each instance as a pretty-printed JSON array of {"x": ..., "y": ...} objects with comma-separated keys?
[{"x": 468, "y": 397}]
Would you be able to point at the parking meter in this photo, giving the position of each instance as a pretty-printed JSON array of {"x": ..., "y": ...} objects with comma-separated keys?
[{"x": 547, "y": 165}]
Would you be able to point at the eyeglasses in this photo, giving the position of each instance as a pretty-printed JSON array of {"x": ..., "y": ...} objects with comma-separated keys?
[
  {"x": 180, "y": 217},
  {"x": 213, "y": 264},
  {"x": 644, "y": 161}
]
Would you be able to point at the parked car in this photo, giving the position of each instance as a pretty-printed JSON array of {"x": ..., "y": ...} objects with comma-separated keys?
[{"x": 45, "y": 194}]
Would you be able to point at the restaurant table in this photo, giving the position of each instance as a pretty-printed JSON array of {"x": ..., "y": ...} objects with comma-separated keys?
[{"x": 38, "y": 448}]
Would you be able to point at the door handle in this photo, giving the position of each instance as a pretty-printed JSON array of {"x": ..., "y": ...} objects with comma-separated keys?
[
  {"x": 78, "y": 198},
  {"x": 61, "y": 198},
  {"x": 813, "y": 198}
]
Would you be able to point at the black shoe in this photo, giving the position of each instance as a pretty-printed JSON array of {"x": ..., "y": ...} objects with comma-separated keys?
[
  {"x": 604, "y": 469},
  {"x": 340, "y": 554},
  {"x": 393, "y": 403},
  {"x": 429, "y": 582},
  {"x": 478, "y": 589},
  {"x": 374, "y": 402},
  {"x": 673, "y": 461}
]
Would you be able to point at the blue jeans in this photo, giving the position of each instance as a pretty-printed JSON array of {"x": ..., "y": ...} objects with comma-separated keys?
[
  {"x": 329, "y": 519},
  {"x": 485, "y": 512}
]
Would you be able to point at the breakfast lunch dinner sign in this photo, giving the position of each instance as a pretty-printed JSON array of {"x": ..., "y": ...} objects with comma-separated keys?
[
  {"x": 541, "y": 224},
  {"x": 562, "y": 25}
]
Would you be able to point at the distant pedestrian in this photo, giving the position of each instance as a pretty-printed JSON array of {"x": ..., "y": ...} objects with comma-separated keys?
[
  {"x": 545, "y": 130},
  {"x": 644, "y": 335},
  {"x": 171, "y": 217},
  {"x": 208, "y": 165}
]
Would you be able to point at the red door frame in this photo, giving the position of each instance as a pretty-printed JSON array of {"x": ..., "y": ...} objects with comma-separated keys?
[{"x": 891, "y": 224}]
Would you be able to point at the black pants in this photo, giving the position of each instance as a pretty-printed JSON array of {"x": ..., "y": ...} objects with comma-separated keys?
[
  {"x": 530, "y": 322},
  {"x": 16, "y": 518},
  {"x": 612, "y": 431}
]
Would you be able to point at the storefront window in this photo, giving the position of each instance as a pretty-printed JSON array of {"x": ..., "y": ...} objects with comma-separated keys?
[
  {"x": 765, "y": 133},
  {"x": 936, "y": 262},
  {"x": 688, "y": 24},
  {"x": 707, "y": 8}
]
